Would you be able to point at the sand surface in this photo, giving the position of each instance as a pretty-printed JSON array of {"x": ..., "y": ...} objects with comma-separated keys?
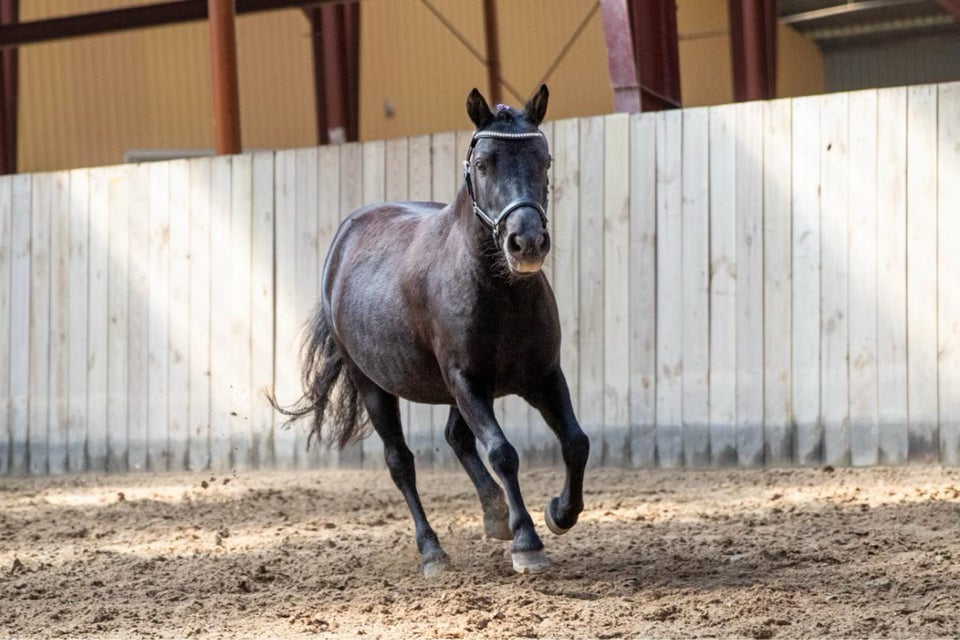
[{"x": 755, "y": 554}]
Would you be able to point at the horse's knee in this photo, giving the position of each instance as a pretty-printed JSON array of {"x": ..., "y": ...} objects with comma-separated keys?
[{"x": 503, "y": 458}]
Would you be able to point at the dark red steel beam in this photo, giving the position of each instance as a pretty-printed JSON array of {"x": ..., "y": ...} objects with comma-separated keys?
[
  {"x": 319, "y": 75},
  {"x": 492, "y": 34},
  {"x": 952, "y": 7},
  {"x": 642, "y": 53},
  {"x": 335, "y": 33},
  {"x": 224, "y": 76},
  {"x": 753, "y": 47},
  {"x": 9, "y": 89},
  {"x": 137, "y": 17}
]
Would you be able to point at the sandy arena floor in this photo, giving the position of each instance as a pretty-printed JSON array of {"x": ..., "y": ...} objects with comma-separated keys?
[{"x": 755, "y": 554}]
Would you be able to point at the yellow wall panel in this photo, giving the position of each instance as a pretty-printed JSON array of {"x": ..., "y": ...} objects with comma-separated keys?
[
  {"x": 88, "y": 101},
  {"x": 410, "y": 63}
]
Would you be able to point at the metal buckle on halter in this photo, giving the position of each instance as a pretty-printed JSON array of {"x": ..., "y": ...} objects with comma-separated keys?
[{"x": 497, "y": 223}]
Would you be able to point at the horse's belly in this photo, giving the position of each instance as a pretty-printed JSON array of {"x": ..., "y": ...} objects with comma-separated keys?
[{"x": 404, "y": 372}]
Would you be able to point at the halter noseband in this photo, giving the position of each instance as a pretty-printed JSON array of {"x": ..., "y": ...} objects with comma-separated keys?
[{"x": 496, "y": 224}]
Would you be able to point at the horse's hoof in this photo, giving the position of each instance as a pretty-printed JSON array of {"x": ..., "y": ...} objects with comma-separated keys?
[
  {"x": 530, "y": 561},
  {"x": 551, "y": 523},
  {"x": 497, "y": 527},
  {"x": 434, "y": 566}
]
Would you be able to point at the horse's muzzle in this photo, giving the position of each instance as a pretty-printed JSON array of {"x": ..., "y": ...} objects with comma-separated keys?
[{"x": 527, "y": 251}]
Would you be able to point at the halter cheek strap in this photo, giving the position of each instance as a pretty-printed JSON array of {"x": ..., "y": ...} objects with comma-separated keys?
[{"x": 496, "y": 223}]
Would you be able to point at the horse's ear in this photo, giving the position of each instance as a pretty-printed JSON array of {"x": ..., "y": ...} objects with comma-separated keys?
[
  {"x": 478, "y": 109},
  {"x": 536, "y": 108}
]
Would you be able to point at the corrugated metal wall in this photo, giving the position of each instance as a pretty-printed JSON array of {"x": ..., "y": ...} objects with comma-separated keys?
[
  {"x": 88, "y": 101},
  {"x": 894, "y": 63}
]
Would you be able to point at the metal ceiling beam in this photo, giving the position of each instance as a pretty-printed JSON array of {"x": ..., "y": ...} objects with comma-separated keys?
[
  {"x": 642, "y": 54},
  {"x": 846, "y": 9},
  {"x": 753, "y": 47},
  {"x": 225, "y": 77},
  {"x": 136, "y": 17}
]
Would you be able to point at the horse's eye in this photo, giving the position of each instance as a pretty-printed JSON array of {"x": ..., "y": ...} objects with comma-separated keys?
[{"x": 481, "y": 165}]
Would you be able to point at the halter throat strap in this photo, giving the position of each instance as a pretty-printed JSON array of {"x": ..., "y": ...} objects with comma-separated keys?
[{"x": 496, "y": 223}]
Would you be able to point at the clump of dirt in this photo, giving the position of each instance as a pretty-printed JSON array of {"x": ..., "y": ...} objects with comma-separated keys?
[{"x": 750, "y": 554}]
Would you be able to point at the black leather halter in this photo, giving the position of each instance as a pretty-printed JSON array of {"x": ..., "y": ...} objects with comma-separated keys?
[{"x": 496, "y": 224}]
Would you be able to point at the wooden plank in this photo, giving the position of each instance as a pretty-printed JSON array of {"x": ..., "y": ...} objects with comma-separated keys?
[
  {"x": 306, "y": 280},
  {"x": 351, "y": 199},
  {"x": 669, "y": 290},
  {"x": 6, "y": 251},
  {"x": 158, "y": 340},
  {"x": 777, "y": 243},
  {"x": 805, "y": 307},
  {"x": 922, "y": 274},
  {"x": 79, "y": 255},
  {"x": 58, "y": 399},
  {"x": 862, "y": 278},
  {"x": 396, "y": 189},
  {"x": 374, "y": 190},
  {"x": 198, "y": 452},
  {"x": 723, "y": 286},
  {"x": 39, "y": 376},
  {"x": 834, "y": 264},
  {"x": 616, "y": 289},
  {"x": 695, "y": 287},
  {"x": 544, "y": 450},
  {"x": 446, "y": 172},
  {"x": 286, "y": 372},
  {"x": 643, "y": 290},
  {"x": 221, "y": 357},
  {"x": 262, "y": 308},
  {"x": 20, "y": 362},
  {"x": 590, "y": 237},
  {"x": 178, "y": 350},
  {"x": 240, "y": 373},
  {"x": 329, "y": 220},
  {"x": 130, "y": 372},
  {"x": 420, "y": 424},
  {"x": 565, "y": 213},
  {"x": 948, "y": 226},
  {"x": 749, "y": 199},
  {"x": 892, "y": 275},
  {"x": 98, "y": 319}
]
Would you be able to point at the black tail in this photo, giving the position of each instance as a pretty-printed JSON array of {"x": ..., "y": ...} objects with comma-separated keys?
[{"x": 328, "y": 390}]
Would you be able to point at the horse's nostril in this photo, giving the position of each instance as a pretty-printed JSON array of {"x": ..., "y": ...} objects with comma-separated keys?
[
  {"x": 543, "y": 243},
  {"x": 513, "y": 245}
]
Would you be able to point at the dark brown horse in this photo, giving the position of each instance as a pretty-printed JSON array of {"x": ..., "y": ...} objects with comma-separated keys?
[{"x": 447, "y": 304}]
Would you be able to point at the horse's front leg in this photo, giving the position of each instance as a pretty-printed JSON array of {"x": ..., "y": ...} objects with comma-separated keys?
[
  {"x": 475, "y": 403},
  {"x": 552, "y": 399}
]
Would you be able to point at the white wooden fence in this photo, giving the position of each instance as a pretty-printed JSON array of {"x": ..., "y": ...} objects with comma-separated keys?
[{"x": 765, "y": 283}]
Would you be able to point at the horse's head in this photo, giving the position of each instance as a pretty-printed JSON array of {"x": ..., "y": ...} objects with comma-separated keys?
[{"x": 506, "y": 173}]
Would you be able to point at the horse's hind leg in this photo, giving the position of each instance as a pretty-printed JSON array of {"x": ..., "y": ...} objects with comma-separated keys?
[
  {"x": 553, "y": 402},
  {"x": 496, "y": 515},
  {"x": 384, "y": 411}
]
